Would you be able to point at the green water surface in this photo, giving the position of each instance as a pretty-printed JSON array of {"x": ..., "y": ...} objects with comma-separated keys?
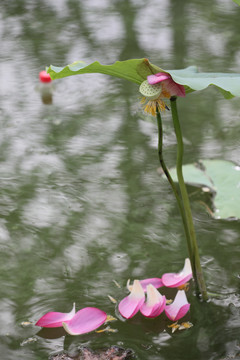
[{"x": 82, "y": 203}]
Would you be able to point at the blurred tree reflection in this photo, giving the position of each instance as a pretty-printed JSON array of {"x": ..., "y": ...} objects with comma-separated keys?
[{"x": 106, "y": 213}]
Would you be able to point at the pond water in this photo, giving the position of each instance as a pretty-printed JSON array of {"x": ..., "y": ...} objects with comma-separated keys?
[{"x": 82, "y": 204}]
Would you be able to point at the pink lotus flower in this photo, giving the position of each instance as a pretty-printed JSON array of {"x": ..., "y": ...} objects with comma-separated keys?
[
  {"x": 55, "y": 319},
  {"x": 170, "y": 87},
  {"x": 131, "y": 304},
  {"x": 85, "y": 320},
  {"x": 155, "y": 303},
  {"x": 178, "y": 279},
  {"x": 179, "y": 307},
  {"x": 156, "y": 88}
]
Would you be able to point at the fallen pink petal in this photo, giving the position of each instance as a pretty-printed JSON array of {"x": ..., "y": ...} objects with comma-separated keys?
[
  {"x": 156, "y": 282},
  {"x": 178, "y": 279},
  {"x": 131, "y": 304},
  {"x": 155, "y": 303},
  {"x": 170, "y": 87},
  {"x": 179, "y": 307},
  {"x": 85, "y": 321},
  {"x": 55, "y": 319}
]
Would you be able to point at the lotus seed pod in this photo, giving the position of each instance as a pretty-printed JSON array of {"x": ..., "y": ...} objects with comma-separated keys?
[{"x": 151, "y": 92}]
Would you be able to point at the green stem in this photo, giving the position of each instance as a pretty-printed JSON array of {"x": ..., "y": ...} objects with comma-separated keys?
[
  {"x": 174, "y": 188},
  {"x": 195, "y": 261}
]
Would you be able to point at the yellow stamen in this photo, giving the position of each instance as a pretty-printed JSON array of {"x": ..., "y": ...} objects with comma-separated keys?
[
  {"x": 150, "y": 105},
  {"x": 184, "y": 287},
  {"x": 174, "y": 326},
  {"x": 185, "y": 325},
  {"x": 114, "y": 301},
  {"x": 117, "y": 284},
  {"x": 165, "y": 94},
  {"x": 110, "y": 318},
  {"x": 107, "y": 329}
]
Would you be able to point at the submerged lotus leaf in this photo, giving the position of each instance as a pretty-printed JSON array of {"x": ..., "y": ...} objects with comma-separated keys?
[
  {"x": 137, "y": 70},
  {"x": 223, "y": 178}
]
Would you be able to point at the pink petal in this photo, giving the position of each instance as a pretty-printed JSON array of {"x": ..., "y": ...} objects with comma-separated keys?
[
  {"x": 155, "y": 303},
  {"x": 173, "y": 88},
  {"x": 55, "y": 319},
  {"x": 177, "y": 279},
  {"x": 169, "y": 84},
  {"x": 85, "y": 320},
  {"x": 182, "y": 312},
  {"x": 130, "y": 305},
  {"x": 179, "y": 307},
  {"x": 157, "y": 78},
  {"x": 156, "y": 282}
]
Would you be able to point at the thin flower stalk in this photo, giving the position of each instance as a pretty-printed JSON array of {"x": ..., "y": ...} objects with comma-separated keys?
[
  {"x": 195, "y": 259},
  {"x": 170, "y": 180}
]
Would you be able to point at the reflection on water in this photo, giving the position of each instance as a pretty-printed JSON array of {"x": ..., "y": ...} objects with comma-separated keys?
[{"x": 81, "y": 201}]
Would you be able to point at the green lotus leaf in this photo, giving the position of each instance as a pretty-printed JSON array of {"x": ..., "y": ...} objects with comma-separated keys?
[
  {"x": 227, "y": 83},
  {"x": 137, "y": 70},
  {"x": 237, "y": 2},
  {"x": 222, "y": 178}
]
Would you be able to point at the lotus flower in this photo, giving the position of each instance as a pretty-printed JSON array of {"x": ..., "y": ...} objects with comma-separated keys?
[
  {"x": 156, "y": 88},
  {"x": 179, "y": 307},
  {"x": 178, "y": 279},
  {"x": 55, "y": 319},
  {"x": 170, "y": 87},
  {"x": 85, "y": 320},
  {"x": 155, "y": 303},
  {"x": 131, "y": 304}
]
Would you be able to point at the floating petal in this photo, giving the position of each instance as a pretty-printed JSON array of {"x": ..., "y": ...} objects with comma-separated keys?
[
  {"x": 178, "y": 279},
  {"x": 178, "y": 308},
  {"x": 130, "y": 305},
  {"x": 85, "y": 320},
  {"x": 55, "y": 319},
  {"x": 156, "y": 282},
  {"x": 155, "y": 303}
]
